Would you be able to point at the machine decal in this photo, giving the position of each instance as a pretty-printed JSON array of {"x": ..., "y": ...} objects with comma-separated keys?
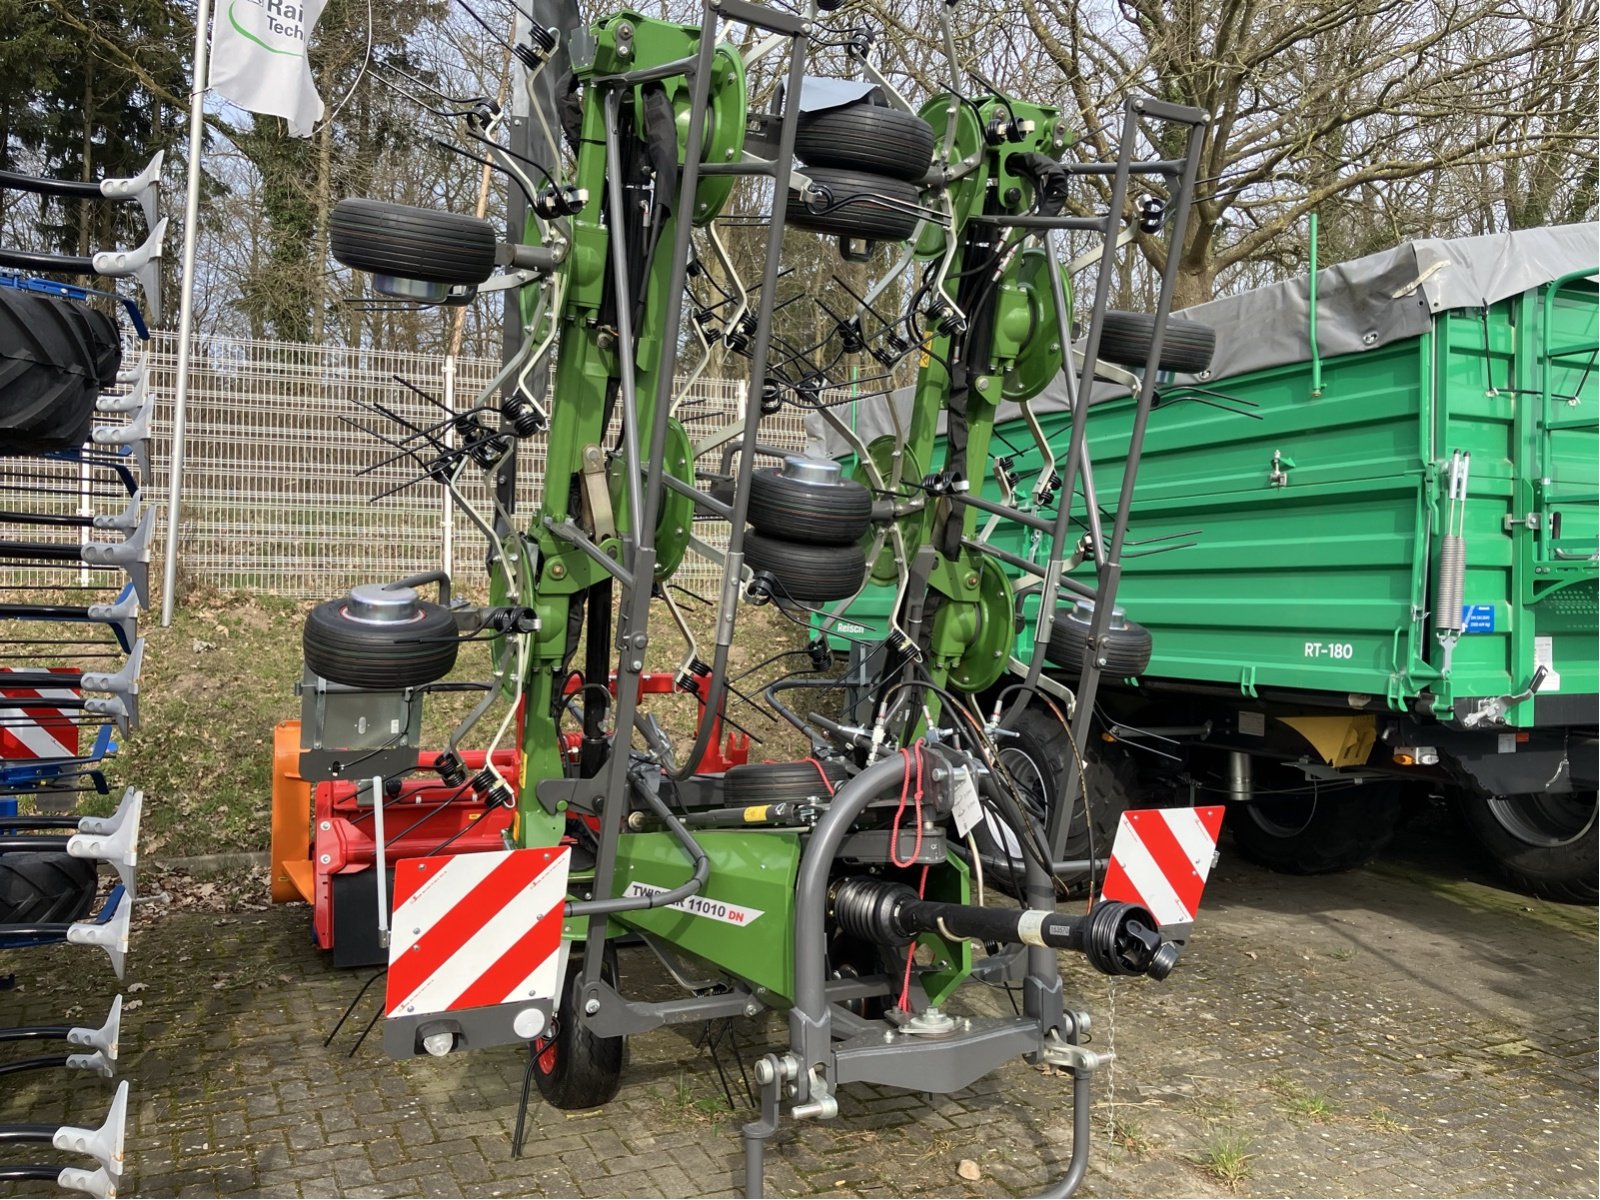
[
  {"x": 703, "y": 906},
  {"x": 1161, "y": 859}
]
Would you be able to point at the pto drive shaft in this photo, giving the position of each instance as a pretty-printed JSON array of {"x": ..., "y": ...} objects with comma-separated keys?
[{"x": 1117, "y": 938}]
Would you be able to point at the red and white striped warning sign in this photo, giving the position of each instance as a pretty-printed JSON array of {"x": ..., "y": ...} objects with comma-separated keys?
[
  {"x": 43, "y": 732},
  {"x": 1161, "y": 859},
  {"x": 471, "y": 930}
]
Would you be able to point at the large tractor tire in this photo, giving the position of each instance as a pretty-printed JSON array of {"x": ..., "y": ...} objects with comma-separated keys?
[
  {"x": 45, "y": 887},
  {"x": 1317, "y": 830},
  {"x": 54, "y": 354},
  {"x": 1541, "y": 843}
]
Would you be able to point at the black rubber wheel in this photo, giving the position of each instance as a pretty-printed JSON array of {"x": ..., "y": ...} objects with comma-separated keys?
[
  {"x": 1541, "y": 843},
  {"x": 828, "y": 514},
  {"x": 51, "y": 364},
  {"x": 43, "y": 887},
  {"x": 1187, "y": 347},
  {"x": 1315, "y": 830},
  {"x": 866, "y": 137},
  {"x": 777, "y": 782},
  {"x": 1126, "y": 649},
  {"x": 573, "y": 1068},
  {"x": 1036, "y": 760},
  {"x": 380, "y": 657},
  {"x": 412, "y": 243},
  {"x": 856, "y": 206},
  {"x": 806, "y": 572}
]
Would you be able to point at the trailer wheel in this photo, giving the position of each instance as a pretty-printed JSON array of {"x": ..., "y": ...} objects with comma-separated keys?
[
  {"x": 856, "y": 207},
  {"x": 866, "y": 137},
  {"x": 45, "y": 887},
  {"x": 1543, "y": 844},
  {"x": 1037, "y": 759},
  {"x": 807, "y": 573},
  {"x": 824, "y": 514},
  {"x": 776, "y": 782},
  {"x": 1125, "y": 338},
  {"x": 385, "y": 656},
  {"x": 1318, "y": 833},
  {"x": 573, "y": 1067},
  {"x": 411, "y": 243}
]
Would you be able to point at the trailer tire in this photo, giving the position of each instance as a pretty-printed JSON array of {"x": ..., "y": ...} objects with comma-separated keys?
[
  {"x": 45, "y": 887},
  {"x": 1542, "y": 844},
  {"x": 574, "y": 1068},
  {"x": 851, "y": 212},
  {"x": 832, "y": 514},
  {"x": 50, "y": 369},
  {"x": 866, "y": 137},
  {"x": 806, "y": 572},
  {"x": 776, "y": 782},
  {"x": 412, "y": 243},
  {"x": 380, "y": 657},
  {"x": 1037, "y": 760},
  {"x": 1127, "y": 648},
  {"x": 1125, "y": 339},
  {"x": 1321, "y": 834}
]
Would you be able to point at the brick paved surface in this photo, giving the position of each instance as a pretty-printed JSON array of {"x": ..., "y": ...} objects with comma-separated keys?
[{"x": 1396, "y": 1031}]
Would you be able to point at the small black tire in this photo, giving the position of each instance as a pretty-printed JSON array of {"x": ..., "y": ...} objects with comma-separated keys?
[
  {"x": 827, "y": 514},
  {"x": 1319, "y": 832},
  {"x": 1186, "y": 347},
  {"x": 805, "y": 572},
  {"x": 866, "y": 137},
  {"x": 412, "y": 243},
  {"x": 45, "y": 887},
  {"x": 50, "y": 371},
  {"x": 857, "y": 206},
  {"x": 573, "y": 1067},
  {"x": 779, "y": 782},
  {"x": 1036, "y": 761},
  {"x": 1543, "y": 844},
  {"x": 1126, "y": 648},
  {"x": 380, "y": 657}
]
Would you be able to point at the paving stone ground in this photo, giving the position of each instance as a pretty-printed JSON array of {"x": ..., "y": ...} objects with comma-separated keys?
[{"x": 1405, "y": 1030}]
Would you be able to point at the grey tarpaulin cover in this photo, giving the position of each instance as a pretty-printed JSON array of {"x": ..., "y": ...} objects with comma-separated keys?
[{"x": 1361, "y": 305}]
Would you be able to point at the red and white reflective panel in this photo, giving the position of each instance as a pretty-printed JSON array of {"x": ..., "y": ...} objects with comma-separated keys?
[
  {"x": 43, "y": 732},
  {"x": 1161, "y": 859},
  {"x": 471, "y": 930}
]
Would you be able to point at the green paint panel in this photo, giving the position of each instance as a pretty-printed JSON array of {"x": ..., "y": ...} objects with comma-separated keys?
[{"x": 742, "y": 920}]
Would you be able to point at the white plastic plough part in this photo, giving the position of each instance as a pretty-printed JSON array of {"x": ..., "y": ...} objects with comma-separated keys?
[
  {"x": 102, "y": 1041},
  {"x": 120, "y": 846},
  {"x": 111, "y": 936},
  {"x": 132, "y": 402},
  {"x": 91, "y": 1183},
  {"x": 104, "y": 1145},
  {"x": 131, "y": 803},
  {"x": 142, "y": 264},
  {"x": 96, "y": 1062},
  {"x": 144, "y": 187}
]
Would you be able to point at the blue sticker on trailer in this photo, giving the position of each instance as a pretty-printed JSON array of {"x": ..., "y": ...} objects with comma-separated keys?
[{"x": 1477, "y": 618}]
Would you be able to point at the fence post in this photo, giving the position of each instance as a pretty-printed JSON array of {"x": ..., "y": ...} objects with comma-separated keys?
[{"x": 447, "y": 548}]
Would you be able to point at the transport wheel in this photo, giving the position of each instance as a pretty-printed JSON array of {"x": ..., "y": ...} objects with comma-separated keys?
[
  {"x": 43, "y": 887},
  {"x": 380, "y": 639},
  {"x": 776, "y": 782},
  {"x": 1127, "y": 645},
  {"x": 1316, "y": 831},
  {"x": 787, "y": 503},
  {"x": 1125, "y": 338},
  {"x": 856, "y": 205},
  {"x": 1543, "y": 844},
  {"x": 412, "y": 243},
  {"x": 1037, "y": 759},
  {"x": 806, "y": 572},
  {"x": 866, "y": 137},
  {"x": 574, "y": 1068},
  {"x": 51, "y": 364}
]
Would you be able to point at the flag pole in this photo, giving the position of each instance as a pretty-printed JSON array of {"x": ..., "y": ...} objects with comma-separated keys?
[{"x": 191, "y": 215}]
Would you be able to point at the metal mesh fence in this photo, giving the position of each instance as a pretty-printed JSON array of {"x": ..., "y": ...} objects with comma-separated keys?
[{"x": 288, "y": 487}]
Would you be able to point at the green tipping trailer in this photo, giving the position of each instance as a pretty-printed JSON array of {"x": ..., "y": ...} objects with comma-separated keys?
[{"x": 1294, "y": 544}]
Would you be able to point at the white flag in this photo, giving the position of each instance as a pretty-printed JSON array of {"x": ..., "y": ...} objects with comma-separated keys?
[{"x": 258, "y": 58}]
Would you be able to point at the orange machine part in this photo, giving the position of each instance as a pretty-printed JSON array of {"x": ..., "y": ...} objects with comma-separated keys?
[{"x": 292, "y": 876}]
